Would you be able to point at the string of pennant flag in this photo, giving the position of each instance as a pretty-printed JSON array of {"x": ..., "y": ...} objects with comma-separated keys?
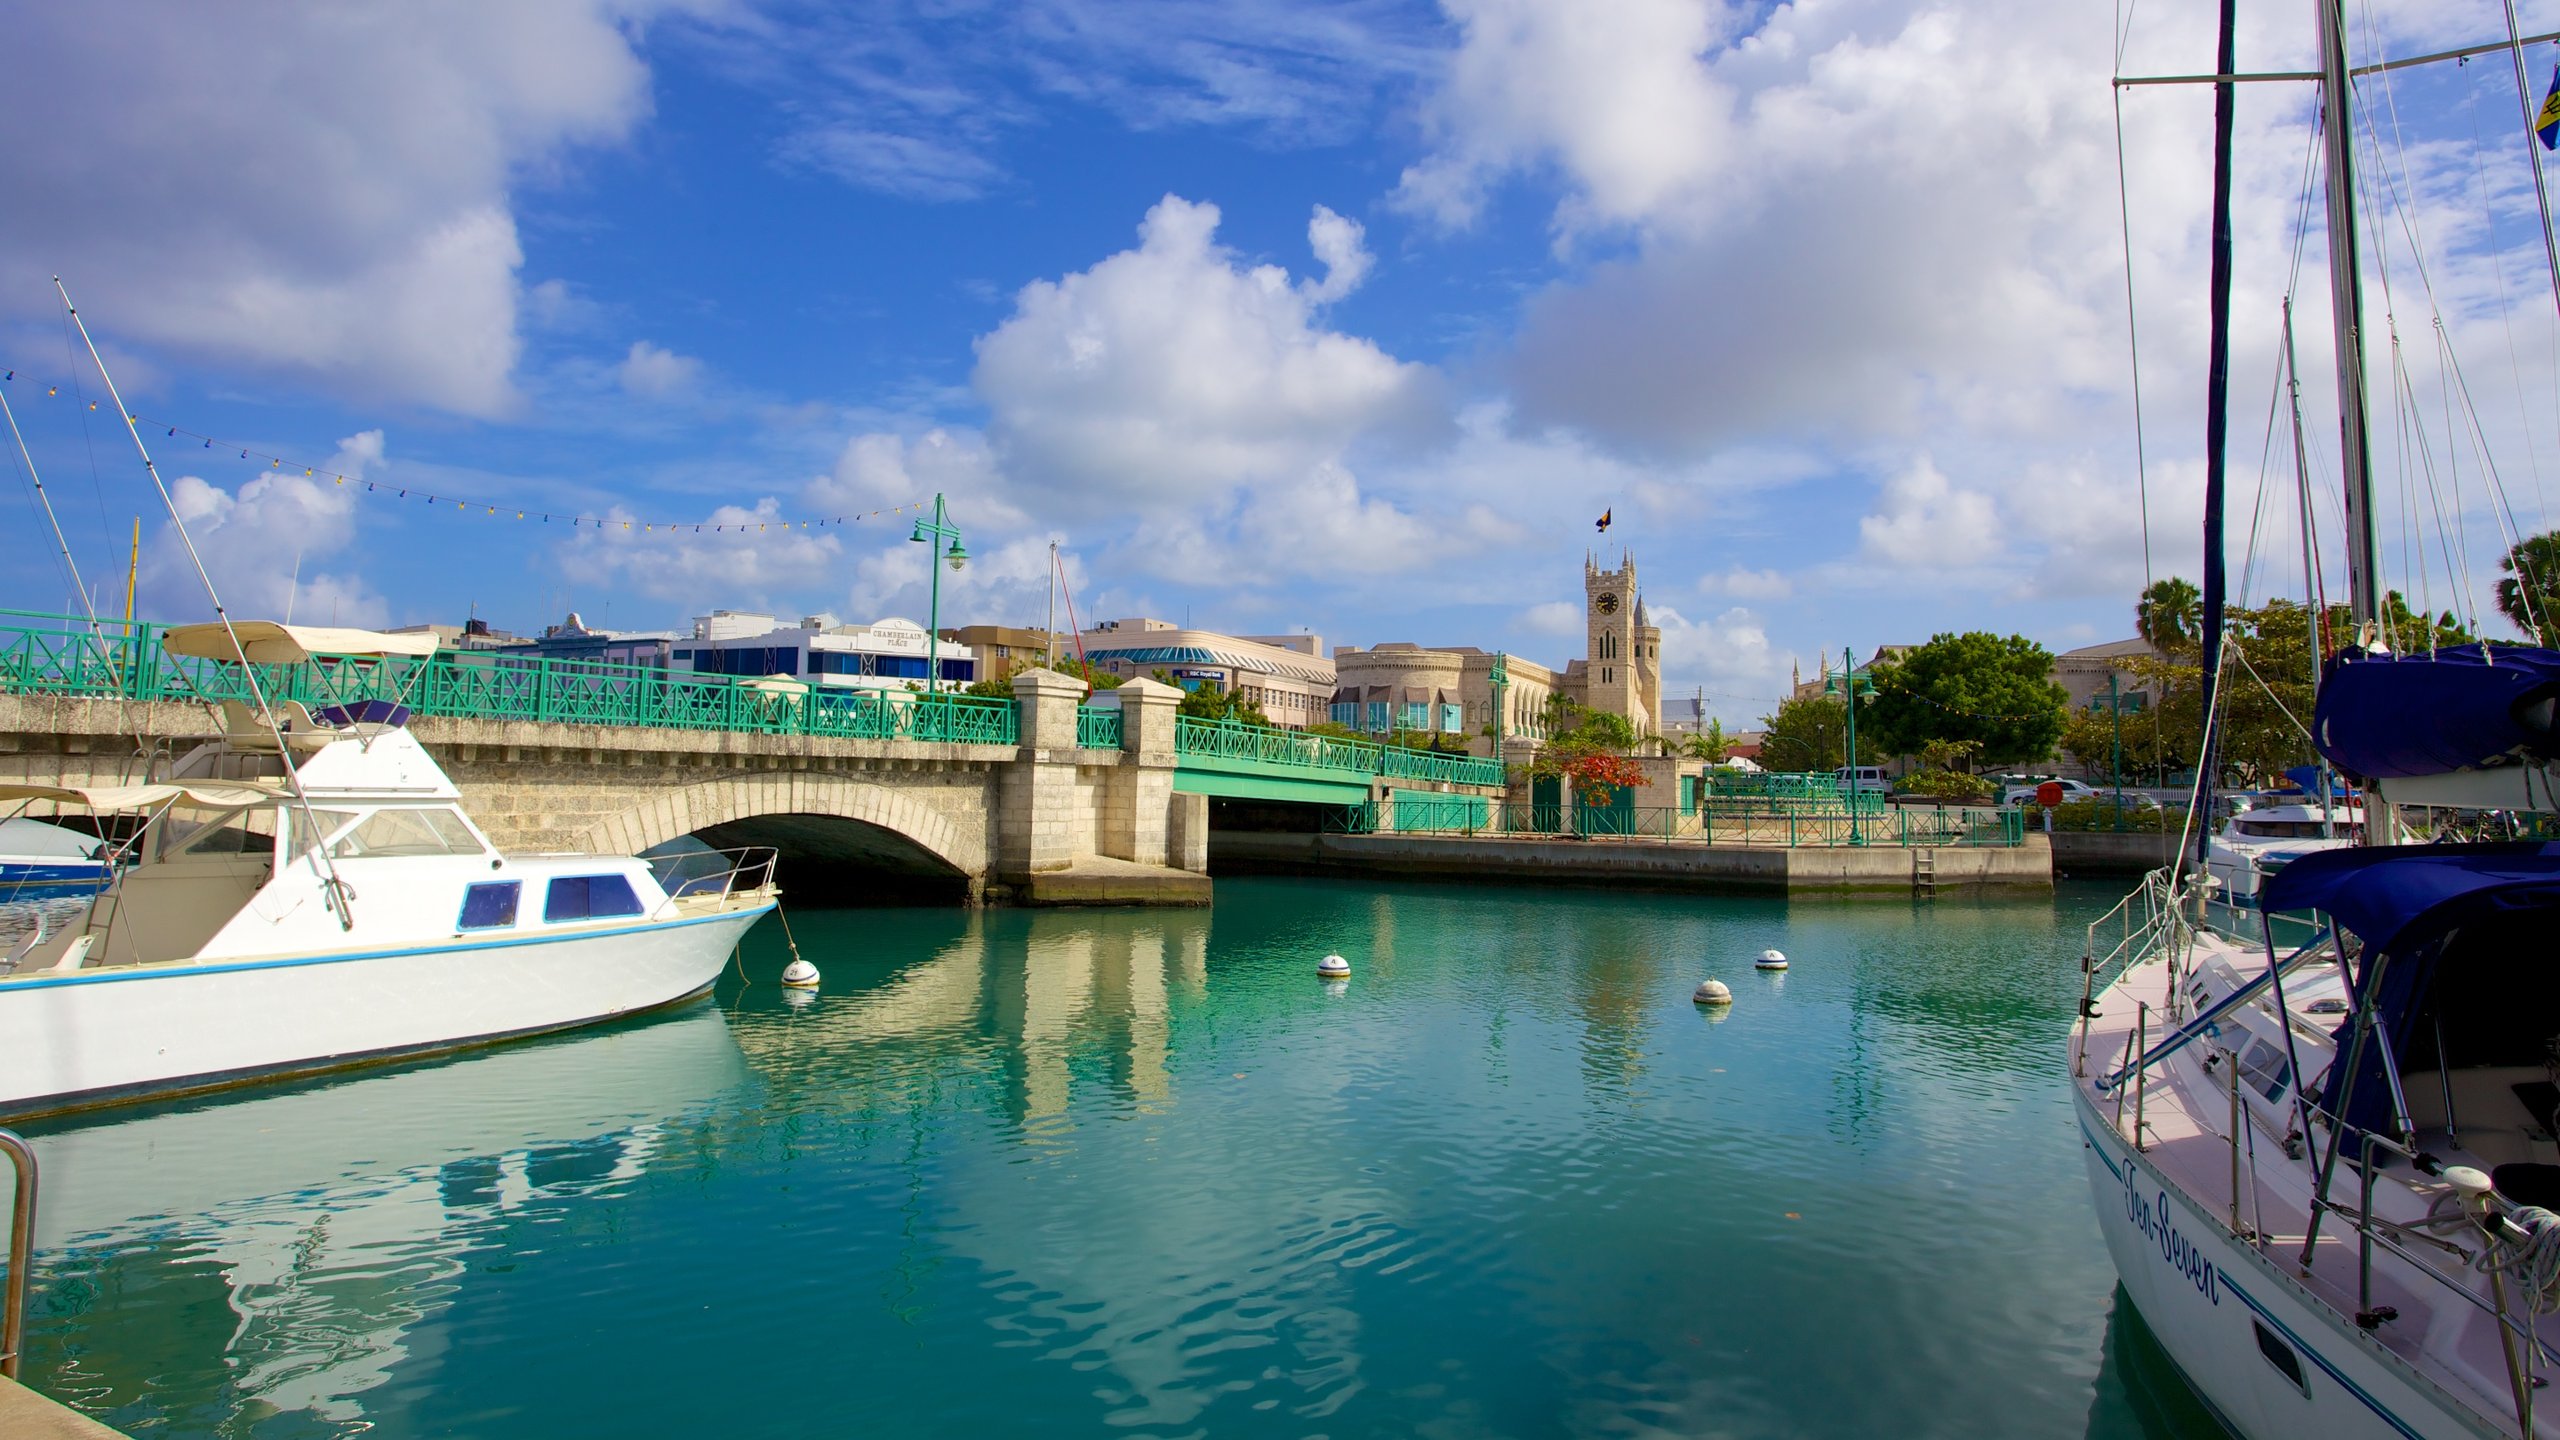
[{"x": 495, "y": 509}]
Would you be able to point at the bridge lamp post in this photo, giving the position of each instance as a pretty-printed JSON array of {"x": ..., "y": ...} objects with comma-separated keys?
[
  {"x": 1851, "y": 686},
  {"x": 930, "y": 533}
]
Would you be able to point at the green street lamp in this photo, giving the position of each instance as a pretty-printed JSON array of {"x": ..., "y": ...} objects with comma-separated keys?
[
  {"x": 1501, "y": 678},
  {"x": 930, "y": 533},
  {"x": 1851, "y": 685}
]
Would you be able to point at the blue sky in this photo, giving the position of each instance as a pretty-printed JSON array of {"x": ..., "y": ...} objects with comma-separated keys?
[{"x": 1348, "y": 317}]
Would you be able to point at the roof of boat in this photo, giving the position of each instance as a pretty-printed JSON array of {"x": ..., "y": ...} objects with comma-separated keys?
[
  {"x": 268, "y": 642},
  {"x": 2389, "y": 895},
  {"x": 186, "y": 795}
]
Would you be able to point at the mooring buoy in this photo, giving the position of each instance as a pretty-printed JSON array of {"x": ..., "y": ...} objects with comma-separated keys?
[
  {"x": 1712, "y": 992},
  {"x": 1334, "y": 967}
]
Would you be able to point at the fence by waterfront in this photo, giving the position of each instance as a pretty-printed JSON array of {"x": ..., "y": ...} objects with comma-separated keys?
[
  {"x": 1904, "y": 826},
  {"x": 62, "y": 655}
]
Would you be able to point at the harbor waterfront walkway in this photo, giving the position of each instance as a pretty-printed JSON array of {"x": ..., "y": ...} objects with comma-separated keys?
[
  {"x": 1883, "y": 871},
  {"x": 26, "y": 1415}
]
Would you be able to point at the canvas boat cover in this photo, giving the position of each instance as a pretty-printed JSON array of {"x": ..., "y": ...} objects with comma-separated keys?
[
  {"x": 265, "y": 642},
  {"x": 2470, "y": 707},
  {"x": 186, "y": 795}
]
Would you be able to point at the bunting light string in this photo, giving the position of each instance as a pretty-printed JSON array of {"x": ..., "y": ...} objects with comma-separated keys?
[{"x": 493, "y": 509}]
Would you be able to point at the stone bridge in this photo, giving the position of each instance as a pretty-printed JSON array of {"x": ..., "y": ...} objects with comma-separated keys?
[{"x": 1053, "y": 819}]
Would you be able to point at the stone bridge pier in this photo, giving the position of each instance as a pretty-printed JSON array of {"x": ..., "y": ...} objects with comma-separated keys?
[{"x": 1044, "y": 821}]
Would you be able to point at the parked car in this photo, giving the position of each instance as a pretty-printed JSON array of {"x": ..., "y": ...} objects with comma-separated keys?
[
  {"x": 1868, "y": 780},
  {"x": 2025, "y": 792}
]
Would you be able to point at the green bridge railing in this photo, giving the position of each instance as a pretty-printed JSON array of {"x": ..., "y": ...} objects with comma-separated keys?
[{"x": 61, "y": 655}]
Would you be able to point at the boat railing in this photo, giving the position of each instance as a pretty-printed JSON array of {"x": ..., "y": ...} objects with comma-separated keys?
[
  {"x": 739, "y": 871},
  {"x": 2485, "y": 1215},
  {"x": 2147, "y": 920},
  {"x": 22, "y": 1240}
]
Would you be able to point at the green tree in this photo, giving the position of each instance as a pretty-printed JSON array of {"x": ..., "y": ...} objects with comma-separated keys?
[
  {"x": 2529, "y": 595},
  {"x": 1809, "y": 734},
  {"x": 1074, "y": 669},
  {"x": 1946, "y": 771},
  {"x": 1710, "y": 744},
  {"x": 1994, "y": 691},
  {"x": 1333, "y": 730},
  {"x": 1214, "y": 702},
  {"x": 2170, "y": 615},
  {"x": 1600, "y": 730}
]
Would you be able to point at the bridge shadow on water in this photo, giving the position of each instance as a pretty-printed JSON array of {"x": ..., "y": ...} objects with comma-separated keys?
[{"x": 828, "y": 862}]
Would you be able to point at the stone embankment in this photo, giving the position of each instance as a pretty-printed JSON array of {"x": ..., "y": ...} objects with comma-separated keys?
[{"x": 1880, "y": 871}]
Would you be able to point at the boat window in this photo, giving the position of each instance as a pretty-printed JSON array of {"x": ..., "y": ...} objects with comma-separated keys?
[
  {"x": 489, "y": 906},
  {"x": 407, "y": 832},
  {"x": 590, "y": 897},
  {"x": 2281, "y": 1356},
  {"x": 234, "y": 832},
  {"x": 301, "y": 832},
  {"x": 2264, "y": 1067}
]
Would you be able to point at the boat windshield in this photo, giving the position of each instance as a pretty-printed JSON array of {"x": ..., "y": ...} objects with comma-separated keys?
[
  {"x": 246, "y": 831},
  {"x": 426, "y": 831}
]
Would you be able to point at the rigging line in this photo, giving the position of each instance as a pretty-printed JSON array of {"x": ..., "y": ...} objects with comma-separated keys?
[
  {"x": 2133, "y": 343},
  {"x": 2509, "y": 532},
  {"x": 54, "y": 523},
  {"x": 340, "y": 893},
  {"x": 97, "y": 486},
  {"x": 2506, "y": 307},
  {"x": 2524, "y": 107},
  {"x": 2461, "y": 538},
  {"x": 2270, "y": 690}
]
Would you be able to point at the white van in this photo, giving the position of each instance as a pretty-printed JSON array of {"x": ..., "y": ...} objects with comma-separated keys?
[{"x": 1863, "y": 780}]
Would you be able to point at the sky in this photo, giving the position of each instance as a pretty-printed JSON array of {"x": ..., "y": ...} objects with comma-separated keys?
[{"x": 1272, "y": 315}]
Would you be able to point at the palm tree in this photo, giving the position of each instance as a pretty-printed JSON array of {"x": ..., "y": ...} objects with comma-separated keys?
[
  {"x": 2170, "y": 615},
  {"x": 2530, "y": 594},
  {"x": 1709, "y": 744}
]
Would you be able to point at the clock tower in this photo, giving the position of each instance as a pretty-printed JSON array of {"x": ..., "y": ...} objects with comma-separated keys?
[{"x": 1623, "y": 655}]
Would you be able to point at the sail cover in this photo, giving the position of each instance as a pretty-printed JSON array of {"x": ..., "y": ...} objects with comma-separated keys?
[
  {"x": 2463, "y": 708},
  {"x": 2393, "y": 897}
]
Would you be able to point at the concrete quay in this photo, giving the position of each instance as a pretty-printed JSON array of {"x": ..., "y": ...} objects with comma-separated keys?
[
  {"x": 1883, "y": 872},
  {"x": 2079, "y": 854},
  {"x": 26, "y": 1415}
]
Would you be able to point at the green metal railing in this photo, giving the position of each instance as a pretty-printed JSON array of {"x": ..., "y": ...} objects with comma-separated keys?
[
  {"x": 1229, "y": 740},
  {"x": 1400, "y": 763},
  {"x": 1097, "y": 728},
  {"x": 60, "y": 656},
  {"x": 1429, "y": 813},
  {"x": 1912, "y": 827}
]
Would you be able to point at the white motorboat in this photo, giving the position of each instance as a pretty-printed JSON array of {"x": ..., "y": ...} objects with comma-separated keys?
[
  {"x": 305, "y": 894},
  {"x": 2260, "y": 841}
]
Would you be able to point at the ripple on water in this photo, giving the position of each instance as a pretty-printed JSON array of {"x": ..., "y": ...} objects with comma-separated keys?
[{"x": 1038, "y": 1172}]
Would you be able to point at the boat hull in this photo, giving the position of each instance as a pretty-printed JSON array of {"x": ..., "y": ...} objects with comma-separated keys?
[
  {"x": 2227, "y": 1315},
  {"x": 103, "y": 1036},
  {"x": 51, "y": 879}
]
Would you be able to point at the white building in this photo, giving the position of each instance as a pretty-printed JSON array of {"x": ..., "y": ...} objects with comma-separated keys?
[{"x": 821, "y": 650}]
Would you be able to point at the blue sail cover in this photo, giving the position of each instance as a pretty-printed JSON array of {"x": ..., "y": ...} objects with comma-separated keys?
[
  {"x": 2427, "y": 912},
  {"x": 2463, "y": 708}
]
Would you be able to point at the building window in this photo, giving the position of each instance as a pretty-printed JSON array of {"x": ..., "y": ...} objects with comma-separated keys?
[{"x": 1453, "y": 719}]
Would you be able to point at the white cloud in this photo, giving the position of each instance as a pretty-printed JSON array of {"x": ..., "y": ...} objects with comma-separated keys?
[
  {"x": 656, "y": 373},
  {"x": 1925, "y": 522},
  {"x": 736, "y": 556},
  {"x": 1339, "y": 243},
  {"x": 1172, "y": 373},
  {"x": 1728, "y": 656},
  {"x": 324, "y": 195},
  {"x": 264, "y": 545},
  {"x": 1552, "y": 617},
  {"x": 1745, "y": 584}
]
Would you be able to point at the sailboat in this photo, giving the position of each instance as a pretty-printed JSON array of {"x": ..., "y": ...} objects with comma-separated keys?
[
  {"x": 305, "y": 890},
  {"x": 2323, "y": 1121}
]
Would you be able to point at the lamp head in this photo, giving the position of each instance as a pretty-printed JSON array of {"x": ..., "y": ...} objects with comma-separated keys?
[{"x": 958, "y": 557}]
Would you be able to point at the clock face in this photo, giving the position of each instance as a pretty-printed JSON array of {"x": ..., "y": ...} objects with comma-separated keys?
[{"x": 1608, "y": 604}]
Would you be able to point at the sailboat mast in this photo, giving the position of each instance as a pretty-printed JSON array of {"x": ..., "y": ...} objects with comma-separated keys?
[
  {"x": 2217, "y": 414},
  {"x": 2346, "y": 308}
]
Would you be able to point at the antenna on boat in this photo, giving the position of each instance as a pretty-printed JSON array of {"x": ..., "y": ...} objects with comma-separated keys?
[{"x": 340, "y": 893}]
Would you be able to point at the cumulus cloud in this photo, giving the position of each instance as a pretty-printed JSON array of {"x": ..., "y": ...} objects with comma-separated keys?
[
  {"x": 1172, "y": 372},
  {"x": 655, "y": 373},
  {"x": 1551, "y": 617},
  {"x": 1341, "y": 245},
  {"x": 326, "y": 195},
  {"x": 1728, "y": 655},
  {"x": 265, "y": 545},
  {"x": 737, "y": 556},
  {"x": 1926, "y": 522},
  {"x": 1746, "y": 584}
]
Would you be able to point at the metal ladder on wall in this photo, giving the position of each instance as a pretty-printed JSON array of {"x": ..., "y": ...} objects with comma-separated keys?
[
  {"x": 1924, "y": 874},
  {"x": 22, "y": 1237}
]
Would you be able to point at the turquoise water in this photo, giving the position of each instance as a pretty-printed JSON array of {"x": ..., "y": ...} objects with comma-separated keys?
[{"x": 1143, "y": 1173}]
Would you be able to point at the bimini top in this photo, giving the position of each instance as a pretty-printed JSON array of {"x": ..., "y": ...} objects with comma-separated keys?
[
  {"x": 2466, "y": 708},
  {"x": 2395, "y": 897},
  {"x": 185, "y": 795},
  {"x": 264, "y": 642}
]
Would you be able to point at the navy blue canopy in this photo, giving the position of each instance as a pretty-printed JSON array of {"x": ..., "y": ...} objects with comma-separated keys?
[
  {"x": 2393, "y": 896},
  {"x": 2462, "y": 708}
]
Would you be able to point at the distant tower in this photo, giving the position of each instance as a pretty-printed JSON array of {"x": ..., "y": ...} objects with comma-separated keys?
[{"x": 1623, "y": 668}]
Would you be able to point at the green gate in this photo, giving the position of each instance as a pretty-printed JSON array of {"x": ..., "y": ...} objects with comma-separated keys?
[
  {"x": 1546, "y": 804},
  {"x": 1616, "y": 816}
]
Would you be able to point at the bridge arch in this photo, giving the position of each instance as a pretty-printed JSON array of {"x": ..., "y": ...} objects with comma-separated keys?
[{"x": 728, "y": 812}]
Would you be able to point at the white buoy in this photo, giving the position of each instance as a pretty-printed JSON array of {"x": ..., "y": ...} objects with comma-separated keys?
[
  {"x": 1712, "y": 992},
  {"x": 1334, "y": 967},
  {"x": 800, "y": 975},
  {"x": 1770, "y": 960}
]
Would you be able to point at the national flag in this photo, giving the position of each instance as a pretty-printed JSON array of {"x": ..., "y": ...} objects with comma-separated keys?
[
  {"x": 2547, "y": 124},
  {"x": 1603, "y": 523}
]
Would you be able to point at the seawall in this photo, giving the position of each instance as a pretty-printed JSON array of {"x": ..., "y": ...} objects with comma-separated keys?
[{"x": 1880, "y": 871}]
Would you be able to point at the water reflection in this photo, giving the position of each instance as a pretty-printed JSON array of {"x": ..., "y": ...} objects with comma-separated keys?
[{"x": 309, "y": 1233}]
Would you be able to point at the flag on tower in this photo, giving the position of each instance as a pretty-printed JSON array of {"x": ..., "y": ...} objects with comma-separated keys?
[
  {"x": 1603, "y": 523},
  {"x": 2547, "y": 124}
]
